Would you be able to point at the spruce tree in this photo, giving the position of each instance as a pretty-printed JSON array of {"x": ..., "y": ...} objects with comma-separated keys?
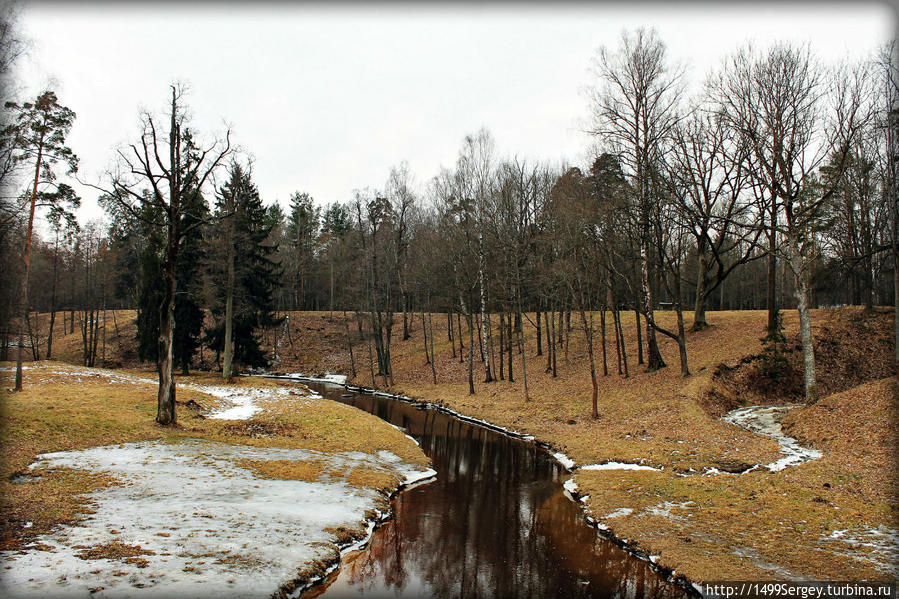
[
  {"x": 188, "y": 300},
  {"x": 243, "y": 229}
]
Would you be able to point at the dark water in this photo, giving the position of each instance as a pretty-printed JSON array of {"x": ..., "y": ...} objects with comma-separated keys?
[{"x": 495, "y": 523}]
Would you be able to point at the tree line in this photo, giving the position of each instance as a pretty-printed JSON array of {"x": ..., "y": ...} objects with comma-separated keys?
[{"x": 772, "y": 186}]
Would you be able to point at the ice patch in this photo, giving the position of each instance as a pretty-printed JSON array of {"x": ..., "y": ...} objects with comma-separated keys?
[
  {"x": 564, "y": 460},
  {"x": 618, "y": 466},
  {"x": 882, "y": 541},
  {"x": 622, "y": 511},
  {"x": 765, "y": 420},
  {"x": 208, "y": 525}
]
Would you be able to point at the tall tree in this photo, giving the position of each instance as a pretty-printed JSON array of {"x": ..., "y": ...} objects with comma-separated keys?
[
  {"x": 793, "y": 115},
  {"x": 189, "y": 312},
  {"x": 172, "y": 167},
  {"x": 635, "y": 111},
  {"x": 302, "y": 233},
  {"x": 245, "y": 275},
  {"x": 38, "y": 135}
]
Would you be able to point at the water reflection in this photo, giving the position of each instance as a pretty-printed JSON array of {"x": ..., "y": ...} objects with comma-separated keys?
[{"x": 494, "y": 524}]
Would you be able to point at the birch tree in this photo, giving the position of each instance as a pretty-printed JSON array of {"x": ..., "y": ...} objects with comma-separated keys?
[
  {"x": 634, "y": 112},
  {"x": 793, "y": 114}
]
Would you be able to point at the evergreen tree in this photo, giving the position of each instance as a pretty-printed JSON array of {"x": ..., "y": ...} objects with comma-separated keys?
[
  {"x": 301, "y": 234},
  {"x": 188, "y": 300},
  {"x": 247, "y": 225},
  {"x": 150, "y": 279}
]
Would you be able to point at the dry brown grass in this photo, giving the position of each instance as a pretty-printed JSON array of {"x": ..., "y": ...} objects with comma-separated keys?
[
  {"x": 758, "y": 525},
  {"x": 284, "y": 469}
]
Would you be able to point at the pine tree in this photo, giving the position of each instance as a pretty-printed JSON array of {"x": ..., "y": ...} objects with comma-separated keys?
[{"x": 301, "y": 234}]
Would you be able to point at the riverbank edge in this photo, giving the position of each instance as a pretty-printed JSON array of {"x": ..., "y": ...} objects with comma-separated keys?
[
  {"x": 296, "y": 587},
  {"x": 671, "y": 576}
]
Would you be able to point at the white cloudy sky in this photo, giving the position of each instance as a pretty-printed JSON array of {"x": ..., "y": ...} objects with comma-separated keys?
[{"x": 327, "y": 99}]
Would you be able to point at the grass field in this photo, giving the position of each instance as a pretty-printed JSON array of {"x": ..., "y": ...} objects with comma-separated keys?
[{"x": 828, "y": 518}]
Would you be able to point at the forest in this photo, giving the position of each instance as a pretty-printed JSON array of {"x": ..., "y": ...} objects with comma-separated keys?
[
  {"x": 771, "y": 187},
  {"x": 668, "y": 362}
]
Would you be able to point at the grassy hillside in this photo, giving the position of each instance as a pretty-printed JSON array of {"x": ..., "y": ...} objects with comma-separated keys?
[{"x": 823, "y": 519}]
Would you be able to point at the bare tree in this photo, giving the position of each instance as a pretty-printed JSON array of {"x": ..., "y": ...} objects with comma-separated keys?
[
  {"x": 634, "y": 112},
  {"x": 171, "y": 165},
  {"x": 794, "y": 115},
  {"x": 710, "y": 178}
]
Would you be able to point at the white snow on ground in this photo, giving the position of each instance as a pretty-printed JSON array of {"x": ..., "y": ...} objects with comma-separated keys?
[
  {"x": 336, "y": 379},
  {"x": 564, "y": 460},
  {"x": 212, "y": 528},
  {"x": 622, "y": 511},
  {"x": 664, "y": 509},
  {"x": 617, "y": 466},
  {"x": 243, "y": 399},
  {"x": 765, "y": 420},
  {"x": 570, "y": 486},
  {"x": 882, "y": 541}
]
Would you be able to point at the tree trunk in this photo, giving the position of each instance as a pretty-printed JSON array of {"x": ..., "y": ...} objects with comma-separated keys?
[
  {"x": 449, "y": 332},
  {"x": 424, "y": 336},
  {"x": 26, "y": 260},
  {"x": 772, "y": 280},
  {"x": 470, "y": 355},
  {"x": 502, "y": 346},
  {"x": 165, "y": 409},
  {"x": 602, "y": 329},
  {"x": 539, "y": 339},
  {"x": 654, "y": 357},
  {"x": 681, "y": 335},
  {"x": 588, "y": 333},
  {"x": 639, "y": 337},
  {"x": 461, "y": 345},
  {"x": 699, "y": 320},
  {"x": 509, "y": 349},
  {"x": 800, "y": 270},
  {"x": 229, "y": 309},
  {"x": 556, "y": 333},
  {"x": 349, "y": 344},
  {"x": 431, "y": 330}
]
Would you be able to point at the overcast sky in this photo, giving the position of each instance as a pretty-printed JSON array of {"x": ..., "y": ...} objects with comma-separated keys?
[{"x": 327, "y": 99}]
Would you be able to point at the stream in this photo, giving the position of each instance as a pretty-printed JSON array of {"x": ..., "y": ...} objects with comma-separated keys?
[{"x": 495, "y": 523}]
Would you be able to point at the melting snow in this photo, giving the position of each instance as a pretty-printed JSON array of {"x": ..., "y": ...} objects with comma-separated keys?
[
  {"x": 564, "y": 460},
  {"x": 765, "y": 420},
  {"x": 622, "y": 511},
  {"x": 617, "y": 466},
  {"x": 883, "y": 541},
  {"x": 210, "y": 526}
]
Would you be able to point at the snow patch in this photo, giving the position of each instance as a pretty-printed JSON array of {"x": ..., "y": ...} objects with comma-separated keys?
[
  {"x": 765, "y": 420},
  {"x": 564, "y": 460},
  {"x": 242, "y": 399},
  {"x": 622, "y": 511},
  {"x": 618, "y": 466},
  {"x": 882, "y": 541},
  {"x": 208, "y": 525}
]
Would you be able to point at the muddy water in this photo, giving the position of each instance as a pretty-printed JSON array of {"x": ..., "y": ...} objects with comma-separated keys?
[{"x": 495, "y": 523}]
